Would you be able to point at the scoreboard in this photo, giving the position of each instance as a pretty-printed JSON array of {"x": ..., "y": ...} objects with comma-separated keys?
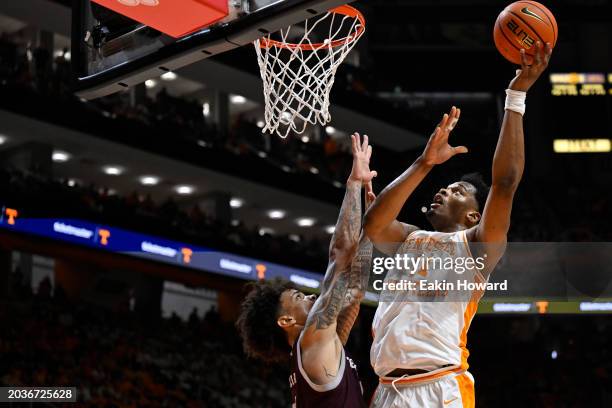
[
  {"x": 579, "y": 106},
  {"x": 581, "y": 84}
]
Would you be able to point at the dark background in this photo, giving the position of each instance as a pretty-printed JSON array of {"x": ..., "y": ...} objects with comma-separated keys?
[{"x": 78, "y": 317}]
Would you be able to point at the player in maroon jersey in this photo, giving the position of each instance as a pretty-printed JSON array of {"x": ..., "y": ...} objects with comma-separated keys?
[{"x": 276, "y": 319}]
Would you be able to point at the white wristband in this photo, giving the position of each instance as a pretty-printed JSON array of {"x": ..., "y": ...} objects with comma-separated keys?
[{"x": 515, "y": 101}]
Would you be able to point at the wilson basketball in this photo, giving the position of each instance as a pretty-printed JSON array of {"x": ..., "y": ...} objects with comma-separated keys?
[{"x": 521, "y": 25}]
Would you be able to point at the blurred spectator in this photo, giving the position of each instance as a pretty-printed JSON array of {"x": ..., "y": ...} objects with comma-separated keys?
[{"x": 116, "y": 360}]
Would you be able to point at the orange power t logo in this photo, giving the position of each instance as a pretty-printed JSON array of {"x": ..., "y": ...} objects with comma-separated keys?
[
  {"x": 104, "y": 235},
  {"x": 186, "y": 254},
  {"x": 542, "y": 306},
  {"x": 11, "y": 214},
  {"x": 261, "y": 271}
]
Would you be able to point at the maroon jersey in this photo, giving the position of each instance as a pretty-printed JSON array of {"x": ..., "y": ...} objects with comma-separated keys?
[{"x": 344, "y": 391}]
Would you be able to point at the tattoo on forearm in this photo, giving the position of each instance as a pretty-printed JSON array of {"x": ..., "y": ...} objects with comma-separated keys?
[
  {"x": 341, "y": 273},
  {"x": 348, "y": 226},
  {"x": 357, "y": 285},
  {"x": 361, "y": 266},
  {"x": 331, "y": 302}
]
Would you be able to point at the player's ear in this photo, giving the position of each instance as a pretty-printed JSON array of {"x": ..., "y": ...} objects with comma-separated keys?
[
  {"x": 473, "y": 218},
  {"x": 285, "y": 321}
]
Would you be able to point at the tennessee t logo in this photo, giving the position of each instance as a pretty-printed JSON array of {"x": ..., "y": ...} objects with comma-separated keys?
[
  {"x": 104, "y": 234},
  {"x": 542, "y": 306},
  {"x": 11, "y": 214},
  {"x": 186, "y": 254},
  {"x": 261, "y": 271}
]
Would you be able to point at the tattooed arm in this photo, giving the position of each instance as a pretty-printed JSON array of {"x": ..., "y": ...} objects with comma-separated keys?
[
  {"x": 358, "y": 283},
  {"x": 321, "y": 346},
  {"x": 358, "y": 279}
]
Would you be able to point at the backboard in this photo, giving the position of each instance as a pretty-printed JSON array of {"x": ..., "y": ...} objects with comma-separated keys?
[{"x": 112, "y": 52}]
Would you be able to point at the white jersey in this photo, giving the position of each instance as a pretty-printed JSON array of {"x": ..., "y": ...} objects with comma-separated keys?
[{"x": 426, "y": 335}]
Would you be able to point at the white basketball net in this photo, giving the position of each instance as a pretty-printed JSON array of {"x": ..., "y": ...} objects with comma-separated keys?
[{"x": 298, "y": 76}]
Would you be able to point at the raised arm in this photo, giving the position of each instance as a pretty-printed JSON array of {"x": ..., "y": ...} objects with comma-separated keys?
[
  {"x": 358, "y": 279},
  {"x": 380, "y": 223},
  {"x": 509, "y": 159},
  {"x": 321, "y": 347}
]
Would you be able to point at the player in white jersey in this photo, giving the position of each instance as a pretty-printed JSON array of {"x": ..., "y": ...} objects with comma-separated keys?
[{"x": 419, "y": 349}]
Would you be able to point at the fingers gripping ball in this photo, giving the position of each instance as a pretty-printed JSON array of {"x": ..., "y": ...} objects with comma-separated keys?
[{"x": 520, "y": 26}]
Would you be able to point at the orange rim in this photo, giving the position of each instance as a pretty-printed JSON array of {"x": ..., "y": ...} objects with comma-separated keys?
[{"x": 345, "y": 10}]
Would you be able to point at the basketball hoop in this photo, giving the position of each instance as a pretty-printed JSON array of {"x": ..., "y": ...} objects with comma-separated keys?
[{"x": 298, "y": 75}]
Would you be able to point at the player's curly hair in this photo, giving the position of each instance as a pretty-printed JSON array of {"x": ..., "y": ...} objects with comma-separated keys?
[
  {"x": 262, "y": 338},
  {"x": 482, "y": 189}
]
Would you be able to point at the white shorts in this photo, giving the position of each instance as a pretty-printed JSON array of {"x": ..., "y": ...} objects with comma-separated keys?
[{"x": 446, "y": 390}]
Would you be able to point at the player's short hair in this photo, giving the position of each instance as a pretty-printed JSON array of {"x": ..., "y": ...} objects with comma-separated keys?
[
  {"x": 482, "y": 189},
  {"x": 262, "y": 338}
]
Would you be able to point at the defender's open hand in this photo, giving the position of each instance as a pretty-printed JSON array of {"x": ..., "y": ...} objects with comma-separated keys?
[
  {"x": 362, "y": 152},
  {"x": 438, "y": 150}
]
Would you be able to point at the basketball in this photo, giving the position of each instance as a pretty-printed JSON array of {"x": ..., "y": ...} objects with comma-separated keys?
[{"x": 521, "y": 25}]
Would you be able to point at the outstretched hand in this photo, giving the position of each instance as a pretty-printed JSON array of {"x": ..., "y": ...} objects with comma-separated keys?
[
  {"x": 438, "y": 150},
  {"x": 362, "y": 152},
  {"x": 529, "y": 74}
]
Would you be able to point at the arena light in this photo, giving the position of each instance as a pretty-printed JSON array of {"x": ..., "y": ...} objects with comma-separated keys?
[
  {"x": 169, "y": 76},
  {"x": 62, "y": 54},
  {"x": 238, "y": 99},
  {"x": 60, "y": 156},
  {"x": 150, "y": 83},
  {"x": 2, "y": 139},
  {"x": 277, "y": 214},
  {"x": 260, "y": 124},
  {"x": 113, "y": 170},
  {"x": 314, "y": 170},
  {"x": 582, "y": 145},
  {"x": 206, "y": 109},
  {"x": 305, "y": 139},
  {"x": 266, "y": 231},
  {"x": 149, "y": 180},
  {"x": 236, "y": 202},
  {"x": 330, "y": 229},
  {"x": 184, "y": 189},
  {"x": 330, "y": 130},
  {"x": 305, "y": 222}
]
